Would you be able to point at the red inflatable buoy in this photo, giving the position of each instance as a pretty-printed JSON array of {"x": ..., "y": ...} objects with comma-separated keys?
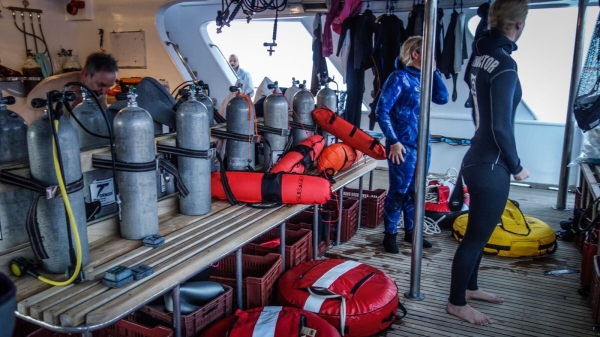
[
  {"x": 301, "y": 156},
  {"x": 354, "y": 297},
  {"x": 337, "y": 157},
  {"x": 270, "y": 322},
  {"x": 285, "y": 188},
  {"x": 349, "y": 133}
]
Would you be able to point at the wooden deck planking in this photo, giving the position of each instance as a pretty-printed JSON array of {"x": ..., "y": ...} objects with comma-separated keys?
[{"x": 535, "y": 304}]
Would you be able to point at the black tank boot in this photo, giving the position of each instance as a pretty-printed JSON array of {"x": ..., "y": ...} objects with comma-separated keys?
[
  {"x": 408, "y": 237},
  {"x": 389, "y": 243}
]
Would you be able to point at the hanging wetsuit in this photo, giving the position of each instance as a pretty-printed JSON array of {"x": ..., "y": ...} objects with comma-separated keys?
[
  {"x": 334, "y": 12},
  {"x": 492, "y": 157},
  {"x": 482, "y": 12},
  {"x": 415, "y": 28},
  {"x": 319, "y": 63},
  {"x": 398, "y": 116},
  {"x": 389, "y": 36}
]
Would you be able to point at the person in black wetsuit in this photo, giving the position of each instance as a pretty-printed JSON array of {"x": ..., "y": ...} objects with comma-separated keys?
[{"x": 492, "y": 158}]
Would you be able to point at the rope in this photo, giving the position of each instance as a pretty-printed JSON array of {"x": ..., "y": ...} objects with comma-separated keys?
[{"x": 342, "y": 305}]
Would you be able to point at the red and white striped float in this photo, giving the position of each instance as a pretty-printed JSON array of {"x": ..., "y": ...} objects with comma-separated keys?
[{"x": 356, "y": 298}]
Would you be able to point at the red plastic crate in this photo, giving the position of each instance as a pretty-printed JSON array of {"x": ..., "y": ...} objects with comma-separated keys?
[
  {"x": 372, "y": 205},
  {"x": 323, "y": 245},
  {"x": 595, "y": 293},
  {"x": 122, "y": 328},
  {"x": 349, "y": 217},
  {"x": 298, "y": 246},
  {"x": 196, "y": 322},
  {"x": 259, "y": 274}
]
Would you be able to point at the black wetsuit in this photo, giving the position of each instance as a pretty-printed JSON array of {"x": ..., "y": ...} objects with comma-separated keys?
[{"x": 492, "y": 158}]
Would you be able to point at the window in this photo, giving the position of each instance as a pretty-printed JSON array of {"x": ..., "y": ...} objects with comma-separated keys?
[
  {"x": 545, "y": 58},
  {"x": 292, "y": 56}
]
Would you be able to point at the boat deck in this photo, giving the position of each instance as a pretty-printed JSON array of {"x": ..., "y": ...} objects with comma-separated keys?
[{"x": 535, "y": 304}]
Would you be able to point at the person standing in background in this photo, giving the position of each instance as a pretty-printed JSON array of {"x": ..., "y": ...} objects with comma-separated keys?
[
  {"x": 492, "y": 157},
  {"x": 397, "y": 113},
  {"x": 243, "y": 76}
]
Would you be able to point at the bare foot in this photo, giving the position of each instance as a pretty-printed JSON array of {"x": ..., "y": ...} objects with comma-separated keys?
[
  {"x": 483, "y": 296},
  {"x": 468, "y": 314}
]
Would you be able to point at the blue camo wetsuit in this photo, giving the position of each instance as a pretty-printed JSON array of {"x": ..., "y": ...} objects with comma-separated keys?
[
  {"x": 492, "y": 157},
  {"x": 398, "y": 116}
]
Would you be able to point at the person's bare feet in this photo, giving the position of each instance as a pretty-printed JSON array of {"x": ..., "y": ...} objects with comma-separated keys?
[
  {"x": 483, "y": 296},
  {"x": 468, "y": 314}
]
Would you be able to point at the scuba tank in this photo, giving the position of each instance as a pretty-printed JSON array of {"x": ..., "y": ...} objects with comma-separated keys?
[
  {"x": 133, "y": 129},
  {"x": 327, "y": 99},
  {"x": 13, "y": 133},
  {"x": 15, "y": 202},
  {"x": 291, "y": 91},
  {"x": 304, "y": 104},
  {"x": 203, "y": 97},
  {"x": 240, "y": 120},
  {"x": 32, "y": 72},
  {"x": 71, "y": 64},
  {"x": 276, "y": 116},
  {"x": 89, "y": 114},
  {"x": 98, "y": 183},
  {"x": 193, "y": 133},
  {"x": 51, "y": 212}
]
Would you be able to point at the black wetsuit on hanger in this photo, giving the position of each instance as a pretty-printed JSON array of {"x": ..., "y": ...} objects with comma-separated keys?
[{"x": 492, "y": 157}]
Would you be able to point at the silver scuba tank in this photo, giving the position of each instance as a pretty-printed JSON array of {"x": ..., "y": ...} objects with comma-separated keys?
[
  {"x": 304, "y": 104},
  {"x": 98, "y": 183},
  {"x": 240, "y": 120},
  {"x": 14, "y": 202},
  {"x": 291, "y": 91},
  {"x": 204, "y": 98},
  {"x": 13, "y": 133},
  {"x": 51, "y": 212},
  {"x": 193, "y": 133},
  {"x": 327, "y": 99},
  {"x": 134, "y": 144},
  {"x": 276, "y": 116}
]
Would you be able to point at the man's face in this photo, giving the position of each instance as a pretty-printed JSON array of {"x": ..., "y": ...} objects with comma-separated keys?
[
  {"x": 234, "y": 62},
  {"x": 100, "y": 81}
]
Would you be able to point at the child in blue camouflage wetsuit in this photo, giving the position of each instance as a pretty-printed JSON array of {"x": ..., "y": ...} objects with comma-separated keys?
[{"x": 398, "y": 116}]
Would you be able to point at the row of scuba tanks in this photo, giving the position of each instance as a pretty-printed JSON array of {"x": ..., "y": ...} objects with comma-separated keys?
[{"x": 140, "y": 180}]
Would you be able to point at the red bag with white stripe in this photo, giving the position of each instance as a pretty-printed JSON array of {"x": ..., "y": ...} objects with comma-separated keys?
[
  {"x": 356, "y": 298},
  {"x": 272, "y": 322}
]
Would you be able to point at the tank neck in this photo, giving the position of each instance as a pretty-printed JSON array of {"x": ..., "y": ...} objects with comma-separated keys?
[{"x": 131, "y": 98}]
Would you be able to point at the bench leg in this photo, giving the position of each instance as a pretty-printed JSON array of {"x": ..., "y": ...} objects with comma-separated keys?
[
  {"x": 315, "y": 232},
  {"x": 238, "y": 277},
  {"x": 339, "y": 224},
  {"x": 176, "y": 311},
  {"x": 282, "y": 245}
]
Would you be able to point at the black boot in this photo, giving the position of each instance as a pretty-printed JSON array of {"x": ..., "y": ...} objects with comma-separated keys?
[
  {"x": 389, "y": 243},
  {"x": 408, "y": 237}
]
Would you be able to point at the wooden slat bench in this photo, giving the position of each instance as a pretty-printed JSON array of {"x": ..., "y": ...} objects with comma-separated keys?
[{"x": 192, "y": 244}]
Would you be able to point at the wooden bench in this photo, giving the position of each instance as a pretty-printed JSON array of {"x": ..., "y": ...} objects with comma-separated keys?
[{"x": 192, "y": 244}]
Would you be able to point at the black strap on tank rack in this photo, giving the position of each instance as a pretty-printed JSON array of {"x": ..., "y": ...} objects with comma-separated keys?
[
  {"x": 199, "y": 154},
  {"x": 144, "y": 167},
  {"x": 275, "y": 131},
  {"x": 31, "y": 223},
  {"x": 169, "y": 167},
  {"x": 236, "y": 136},
  {"x": 296, "y": 125},
  {"x": 219, "y": 118},
  {"x": 122, "y": 166}
]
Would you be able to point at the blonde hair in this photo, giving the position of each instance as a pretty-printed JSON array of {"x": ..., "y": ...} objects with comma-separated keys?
[
  {"x": 504, "y": 14},
  {"x": 412, "y": 44}
]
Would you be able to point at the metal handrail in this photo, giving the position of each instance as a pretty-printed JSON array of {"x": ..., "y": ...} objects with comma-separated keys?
[
  {"x": 226, "y": 60},
  {"x": 187, "y": 66}
]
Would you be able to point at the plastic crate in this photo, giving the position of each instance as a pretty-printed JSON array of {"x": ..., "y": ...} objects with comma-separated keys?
[
  {"x": 196, "y": 322},
  {"x": 259, "y": 276},
  {"x": 371, "y": 206},
  {"x": 590, "y": 247},
  {"x": 122, "y": 328},
  {"x": 349, "y": 217},
  {"x": 298, "y": 246},
  {"x": 306, "y": 220},
  {"x": 595, "y": 293},
  {"x": 323, "y": 245}
]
